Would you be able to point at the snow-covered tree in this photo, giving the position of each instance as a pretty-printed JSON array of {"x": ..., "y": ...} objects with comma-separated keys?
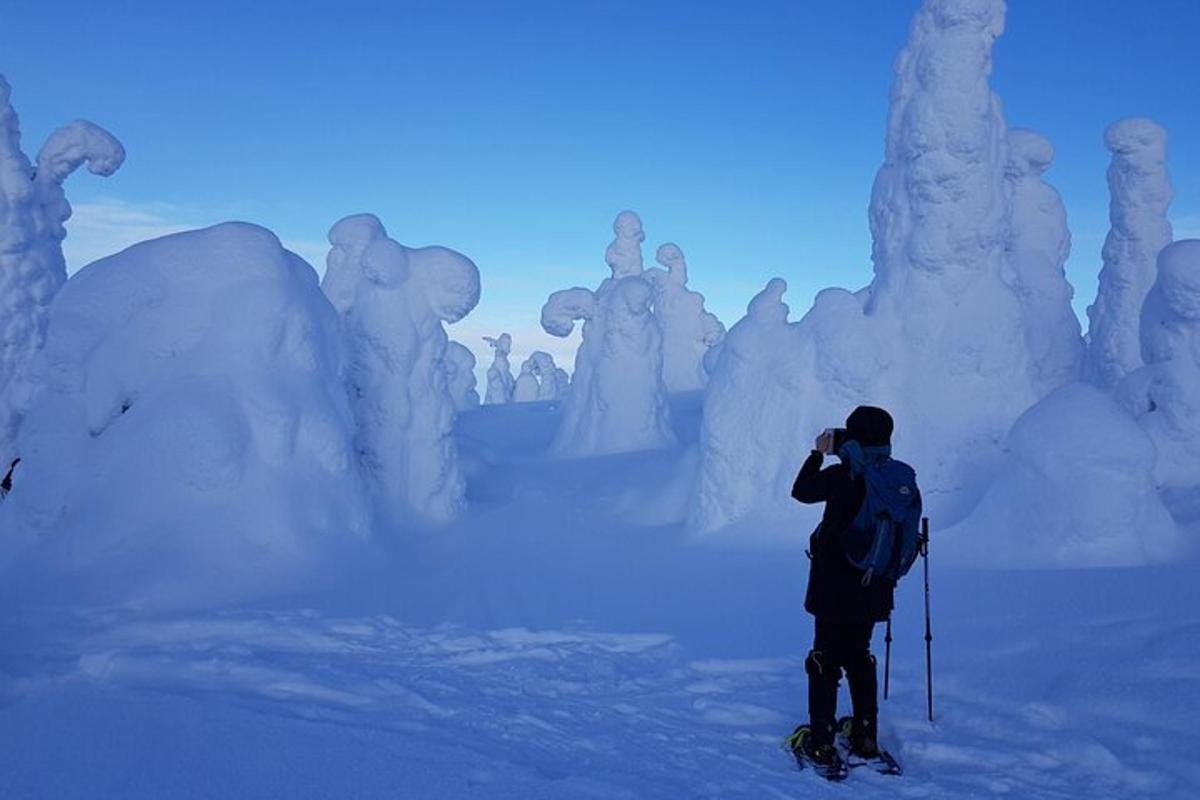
[
  {"x": 1140, "y": 192},
  {"x": 1165, "y": 393},
  {"x": 526, "y": 389},
  {"x": 618, "y": 401},
  {"x": 460, "y": 376},
  {"x": 500, "y": 381},
  {"x": 33, "y": 208},
  {"x": 1038, "y": 246},
  {"x": 688, "y": 330},
  {"x": 394, "y": 301},
  {"x": 553, "y": 382}
]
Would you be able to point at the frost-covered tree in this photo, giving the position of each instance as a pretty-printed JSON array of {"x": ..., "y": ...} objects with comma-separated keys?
[
  {"x": 1140, "y": 193},
  {"x": 1038, "y": 246},
  {"x": 939, "y": 337},
  {"x": 526, "y": 389},
  {"x": 500, "y": 381},
  {"x": 191, "y": 431},
  {"x": 688, "y": 330},
  {"x": 617, "y": 402},
  {"x": 460, "y": 376},
  {"x": 1164, "y": 394},
  {"x": 552, "y": 381},
  {"x": 394, "y": 301},
  {"x": 33, "y": 208}
]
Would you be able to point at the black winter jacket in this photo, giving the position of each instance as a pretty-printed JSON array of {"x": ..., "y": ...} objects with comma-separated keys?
[{"x": 835, "y": 590}]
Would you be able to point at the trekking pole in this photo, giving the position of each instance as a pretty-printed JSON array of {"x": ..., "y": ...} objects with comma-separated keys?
[
  {"x": 928, "y": 627},
  {"x": 887, "y": 655}
]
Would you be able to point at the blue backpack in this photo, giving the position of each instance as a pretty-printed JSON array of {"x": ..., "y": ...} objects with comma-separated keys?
[{"x": 884, "y": 538}]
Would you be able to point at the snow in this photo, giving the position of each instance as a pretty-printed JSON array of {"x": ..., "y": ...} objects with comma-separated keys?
[
  {"x": 618, "y": 401},
  {"x": 1077, "y": 490},
  {"x": 1140, "y": 192},
  {"x": 597, "y": 658},
  {"x": 1164, "y": 394},
  {"x": 190, "y": 399},
  {"x": 688, "y": 331},
  {"x": 500, "y": 382},
  {"x": 33, "y": 208},
  {"x": 460, "y": 376},
  {"x": 394, "y": 301}
]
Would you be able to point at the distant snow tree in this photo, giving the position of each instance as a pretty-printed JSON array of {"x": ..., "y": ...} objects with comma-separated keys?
[
  {"x": 1140, "y": 192},
  {"x": 33, "y": 208},
  {"x": 618, "y": 401},
  {"x": 526, "y": 389},
  {"x": 688, "y": 331},
  {"x": 500, "y": 382},
  {"x": 395, "y": 300}
]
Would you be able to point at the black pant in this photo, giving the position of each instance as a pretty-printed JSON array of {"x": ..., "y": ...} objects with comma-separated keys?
[{"x": 840, "y": 647}]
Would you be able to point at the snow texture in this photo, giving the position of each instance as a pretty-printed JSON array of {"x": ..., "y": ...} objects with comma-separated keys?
[
  {"x": 1140, "y": 192},
  {"x": 618, "y": 401},
  {"x": 394, "y": 301},
  {"x": 1077, "y": 490},
  {"x": 1165, "y": 393},
  {"x": 33, "y": 208},
  {"x": 688, "y": 331},
  {"x": 460, "y": 376},
  {"x": 500, "y": 382},
  {"x": 191, "y": 438},
  {"x": 1038, "y": 246}
]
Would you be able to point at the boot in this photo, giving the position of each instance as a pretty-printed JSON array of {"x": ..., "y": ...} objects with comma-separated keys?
[{"x": 864, "y": 742}]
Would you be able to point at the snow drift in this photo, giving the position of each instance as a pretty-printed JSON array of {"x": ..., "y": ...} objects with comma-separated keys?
[{"x": 191, "y": 439}]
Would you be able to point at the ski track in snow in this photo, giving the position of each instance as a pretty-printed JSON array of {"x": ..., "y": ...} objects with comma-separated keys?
[{"x": 579, "y": 713}]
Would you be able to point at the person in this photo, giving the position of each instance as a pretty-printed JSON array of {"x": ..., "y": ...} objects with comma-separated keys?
[{"x": 844, "y": 605}]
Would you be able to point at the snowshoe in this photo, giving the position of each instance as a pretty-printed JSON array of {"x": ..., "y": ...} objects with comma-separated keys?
[
  {"x": 866, "y": 751},
  {"x": 823, "y": 759}
]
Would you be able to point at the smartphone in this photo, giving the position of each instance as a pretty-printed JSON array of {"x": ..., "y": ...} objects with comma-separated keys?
[{"x": 836, "y": 438}]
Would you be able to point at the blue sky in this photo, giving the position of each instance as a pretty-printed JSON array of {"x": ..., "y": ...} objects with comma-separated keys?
[{"x": 748, "y": 133}]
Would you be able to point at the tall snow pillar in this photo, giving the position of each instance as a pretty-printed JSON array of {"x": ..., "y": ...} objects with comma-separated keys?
[{"x": 1140, "y": 192}]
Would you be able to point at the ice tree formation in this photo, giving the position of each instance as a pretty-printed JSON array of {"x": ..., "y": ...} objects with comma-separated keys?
[
  {"x": 460, "y": 376},
  {"x": 688, "y": 331},
  {"x": 1038, "y": 246},
  {"x": 1077, "y": 490},
  {"x": 553, "y": 382},
  {"x": 191, "y": 397},
  {"x": 33, "y": 208},
  {"x": 1140, "y": 192},
  {"x": 500, "y": 381},
  {"x": 618, "y": 401},
  {"x": 394, "y": 301},
  {"x": 1164, "y": 394},
  {"x": 526, "y": 389},
  {"x": 939, "y": 337}
]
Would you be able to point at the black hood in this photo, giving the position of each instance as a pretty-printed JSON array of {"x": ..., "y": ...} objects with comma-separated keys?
[{"x": 869, "y": 426}]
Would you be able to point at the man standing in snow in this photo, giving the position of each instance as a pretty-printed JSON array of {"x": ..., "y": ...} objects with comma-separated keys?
[{"x": 846, "y": 606}]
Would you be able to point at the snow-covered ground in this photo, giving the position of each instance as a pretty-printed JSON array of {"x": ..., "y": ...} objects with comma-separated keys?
[{"x": 566, "y": 639}]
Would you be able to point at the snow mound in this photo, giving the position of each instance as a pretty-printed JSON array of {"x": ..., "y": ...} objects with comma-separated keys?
[
  {"x": 1140, "y": 192},
  {"x": 394, "y": 301},
  {"x": 1077, "y": 490},
  {"x": 191, "y": 440}
]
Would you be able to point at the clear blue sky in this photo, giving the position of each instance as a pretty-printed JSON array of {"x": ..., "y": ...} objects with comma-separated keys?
[{"x": 748, "y": 132}]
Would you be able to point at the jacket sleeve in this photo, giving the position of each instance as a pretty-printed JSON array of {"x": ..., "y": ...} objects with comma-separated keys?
[{"x": 812, "y": 484}]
